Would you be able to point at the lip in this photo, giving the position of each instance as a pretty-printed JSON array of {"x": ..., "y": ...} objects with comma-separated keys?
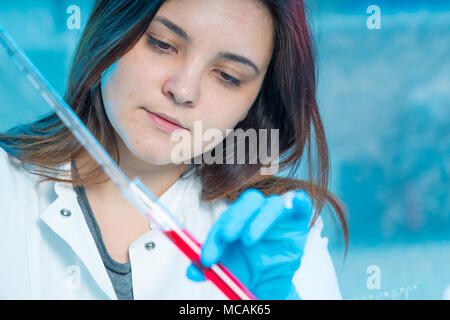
[{"x": 164, "y": 121}]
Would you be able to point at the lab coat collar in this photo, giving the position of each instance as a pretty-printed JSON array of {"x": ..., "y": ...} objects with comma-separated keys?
[{"x": 74, "y": 230}]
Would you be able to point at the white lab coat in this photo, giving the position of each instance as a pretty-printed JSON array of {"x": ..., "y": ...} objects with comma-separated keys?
[{"x": 48, "y": 255}]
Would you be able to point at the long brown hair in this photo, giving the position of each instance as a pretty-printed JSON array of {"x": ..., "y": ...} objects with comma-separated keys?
[{"x": 286, "y": 101}]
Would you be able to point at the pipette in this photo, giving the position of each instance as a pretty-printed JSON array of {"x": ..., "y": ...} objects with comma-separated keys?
[{"x": 134, "y": 191}]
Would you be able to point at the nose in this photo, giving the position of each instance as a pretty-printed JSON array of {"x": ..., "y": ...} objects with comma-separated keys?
[{"x": 182, "y": 86}]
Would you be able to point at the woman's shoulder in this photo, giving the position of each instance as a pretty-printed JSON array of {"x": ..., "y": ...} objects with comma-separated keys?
[
  {"x": 16, "y": 177},
  {"x": 4, "y": 157},
  {"x": 11, "y": 186},
  {"x": 10, "y": 167}
]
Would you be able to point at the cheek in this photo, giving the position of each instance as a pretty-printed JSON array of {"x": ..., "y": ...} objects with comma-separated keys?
[
  {"x": 228, "y": 113},
  {"x": 216, "y": 118},
  {"x": 117, "y": 91},
  {"x": 144, "y": 74},
  {"x": 127, "y": 84},
  {"x": 125, "y": 89}
]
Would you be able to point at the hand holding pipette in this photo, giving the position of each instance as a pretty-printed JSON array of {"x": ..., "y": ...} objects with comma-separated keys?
[{"x": 261, "y": 240}]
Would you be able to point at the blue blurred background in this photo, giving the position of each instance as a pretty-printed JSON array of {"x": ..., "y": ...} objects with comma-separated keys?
[{"x": 384, "y": 95}]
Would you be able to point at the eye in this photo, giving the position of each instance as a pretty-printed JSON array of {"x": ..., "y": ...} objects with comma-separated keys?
[
  {"x": 229, "y": 80},
  {"x": 159, "y": 45}
]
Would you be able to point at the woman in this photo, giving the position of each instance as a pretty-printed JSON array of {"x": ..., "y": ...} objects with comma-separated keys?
[{"x": 143, "y": 71}]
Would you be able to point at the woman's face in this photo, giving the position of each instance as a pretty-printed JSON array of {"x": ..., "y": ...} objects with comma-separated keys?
[{"x": 199, "y": 60}]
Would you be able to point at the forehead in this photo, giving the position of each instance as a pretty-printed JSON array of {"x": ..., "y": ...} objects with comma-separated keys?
[{"x": 222, "y": 24}]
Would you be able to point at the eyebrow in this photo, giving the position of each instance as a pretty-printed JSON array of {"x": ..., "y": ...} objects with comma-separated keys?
[
  {"x": 172, "y": 26},
  {"x": 224, "y": 55},
  {"x": 238, "y": 58}
]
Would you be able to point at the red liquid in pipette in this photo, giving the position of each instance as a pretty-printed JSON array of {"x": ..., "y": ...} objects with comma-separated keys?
[{"x": 208, "y": 272}]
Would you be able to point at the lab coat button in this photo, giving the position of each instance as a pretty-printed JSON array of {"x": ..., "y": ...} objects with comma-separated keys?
[
  {"x": 65, "y": 212},
  {"x": 150, "y": 245}
]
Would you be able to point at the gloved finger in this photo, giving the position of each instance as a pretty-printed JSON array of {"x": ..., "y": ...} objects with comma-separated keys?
[
  {"x": 213, "y": 247},
  {"x": 302, "y": 207},
  {"x": 272, "y": 208},
  {"x": 229, "y": 225},
  {"x": 299, "y": 203},
  {"x": 240, "y": 213},
  {"x": 194, "y": 273}
]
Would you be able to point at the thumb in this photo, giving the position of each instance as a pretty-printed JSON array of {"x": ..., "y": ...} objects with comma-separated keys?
[{"x": 194, "y": 273}]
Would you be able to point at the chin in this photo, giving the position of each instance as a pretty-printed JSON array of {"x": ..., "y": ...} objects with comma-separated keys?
[{"x": 153, "y": 154}]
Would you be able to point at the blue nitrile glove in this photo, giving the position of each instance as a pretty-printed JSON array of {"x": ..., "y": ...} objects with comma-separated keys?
[{"x": 260, "y": 240}]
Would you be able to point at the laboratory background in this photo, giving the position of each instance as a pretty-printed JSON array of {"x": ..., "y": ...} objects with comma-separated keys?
[{"x": 384, "y": 95}]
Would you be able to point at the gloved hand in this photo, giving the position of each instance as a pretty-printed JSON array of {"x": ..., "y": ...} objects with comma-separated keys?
[{"x": 260, "y": 240}]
